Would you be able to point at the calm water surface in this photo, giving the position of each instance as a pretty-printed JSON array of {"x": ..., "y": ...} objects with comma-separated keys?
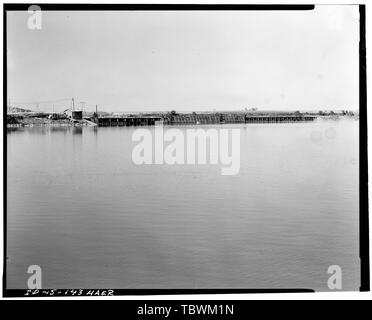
[{"x": 83, "y": 211}]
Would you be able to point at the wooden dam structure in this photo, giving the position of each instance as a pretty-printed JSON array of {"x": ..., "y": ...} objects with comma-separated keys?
[
  {"x": 195, "y": 119},
  {"x": 125, "y": 121}
]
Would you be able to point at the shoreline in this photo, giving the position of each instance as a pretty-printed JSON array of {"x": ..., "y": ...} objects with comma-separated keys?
[
  {"x": 16, "y": 120},
  {"x": 71, "y": 124}
]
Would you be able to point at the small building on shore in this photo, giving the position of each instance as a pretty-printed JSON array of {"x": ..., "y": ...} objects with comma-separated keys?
[{"x": 75, "y": 114}]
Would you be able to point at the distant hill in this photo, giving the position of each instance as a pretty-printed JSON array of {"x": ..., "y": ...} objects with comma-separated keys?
[{"x": 16, "y": 110}]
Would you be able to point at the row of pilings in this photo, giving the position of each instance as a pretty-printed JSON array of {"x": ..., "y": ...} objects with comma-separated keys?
[{"x": 190, "y": 119}]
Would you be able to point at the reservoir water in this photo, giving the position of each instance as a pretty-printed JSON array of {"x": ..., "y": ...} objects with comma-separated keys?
[{"x": 90, "y": 218}]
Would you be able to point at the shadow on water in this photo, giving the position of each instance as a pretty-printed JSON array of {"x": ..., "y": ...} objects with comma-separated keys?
[
  {"x": 77, "y": 130},
  {"x": 13, "y": 129},
  {"x": 60, "y": 129},
  {"x": 46, "y": 130}
]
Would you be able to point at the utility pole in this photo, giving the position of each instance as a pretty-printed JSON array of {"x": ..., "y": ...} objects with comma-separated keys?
[
  {"x": 82, "y": 104},
  {"x": 73, "y": 105}
]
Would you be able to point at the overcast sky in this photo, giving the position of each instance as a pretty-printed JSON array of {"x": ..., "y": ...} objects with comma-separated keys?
[{"x": 150, "y": 60}]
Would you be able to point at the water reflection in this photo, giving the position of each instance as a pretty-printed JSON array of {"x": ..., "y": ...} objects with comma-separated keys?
[{"x": 77, "y": 130}]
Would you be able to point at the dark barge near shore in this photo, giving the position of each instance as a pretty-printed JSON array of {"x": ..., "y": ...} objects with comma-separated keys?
[{"x": 189, "y": 119}]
